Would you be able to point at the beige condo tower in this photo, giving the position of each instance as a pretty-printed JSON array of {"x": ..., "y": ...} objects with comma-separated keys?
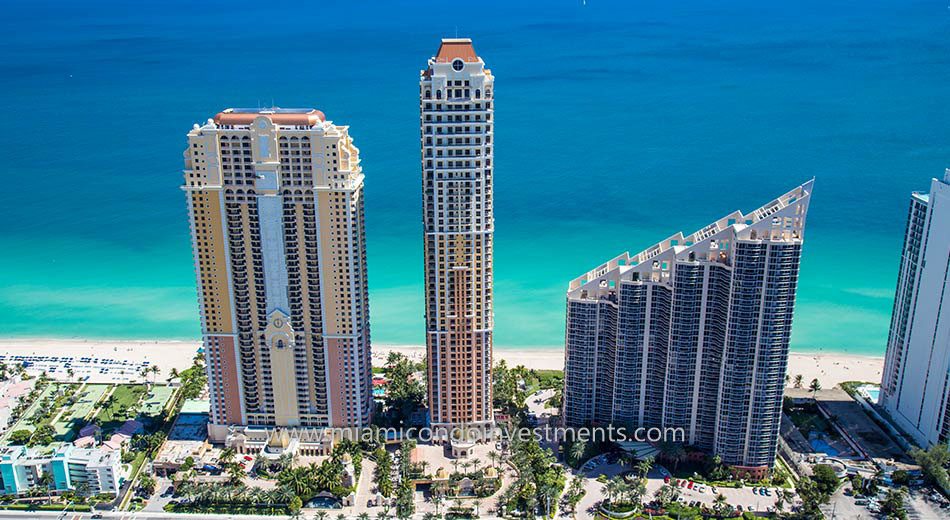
[
  {"x": 275, "y": 200},
  {"x": 456, "y": 126}
]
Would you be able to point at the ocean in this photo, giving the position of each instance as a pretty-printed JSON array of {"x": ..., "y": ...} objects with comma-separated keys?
[{"x": 617, "y": 124}]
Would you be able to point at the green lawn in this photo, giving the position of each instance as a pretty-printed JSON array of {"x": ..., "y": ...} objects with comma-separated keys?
[
  {"x": 72, "y": 420},
  {"x": 122, "y": 405}
]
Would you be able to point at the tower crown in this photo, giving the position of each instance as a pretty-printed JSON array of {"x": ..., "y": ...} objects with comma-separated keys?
[{"x": 453, "y": 49}]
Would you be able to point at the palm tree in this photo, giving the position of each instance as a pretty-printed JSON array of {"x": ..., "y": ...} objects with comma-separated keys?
[
  {"x": 322, "y": 515},
  {"x": 475, "y": 463},
  {"x": 672, "y": 451},
  {"x": 815, "y": 386},
  {"x": 227, "y": 455},
  {"x": 611, "y": 489},
  {"x": 47, "y": 481},
  {"x": 798, "y": 381},
  {"x": 719, "y": 505},
  {"x": 626, "y": 458},
  {"x": 235, "y": 474},
  {"x": 644, "y": 466},
  {"x": 493, "y": 457},
  {"x": 577, "y": 450}
]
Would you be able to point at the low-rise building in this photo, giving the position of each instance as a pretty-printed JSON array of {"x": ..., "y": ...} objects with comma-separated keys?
[
  {"x": 22, "y": 469},
  {"x": 100, "y": 470},
  {"x": 18, "y": 470}
]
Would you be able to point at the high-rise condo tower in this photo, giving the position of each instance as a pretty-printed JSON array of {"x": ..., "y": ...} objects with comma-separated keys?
[
  {"x": 692, "y": 334},
  {"x": 275, "y": 200},
  {"x": 914, "y": 386},
  {"x": 456, "y": 127}
]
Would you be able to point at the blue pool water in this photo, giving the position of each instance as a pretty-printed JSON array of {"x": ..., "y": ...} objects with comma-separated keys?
[{"x": 820, "y": 446}]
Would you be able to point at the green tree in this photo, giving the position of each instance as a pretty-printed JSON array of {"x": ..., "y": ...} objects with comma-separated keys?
[
  {"x": 814, "y": 386},
  {"x": 933, "y": 463},
  {"x": 147, "y": 484},
  {"x": 20, "y": 437},
  {"x": 404, "y": 393},
  {"x": 227, "y": 455},
  {"x": 297, "y": 480},
  {"x": 900, "y": 477},
  {"x": 672, "y": 451},
  {"x": 43, "y": 436},
  {"x": 825, "y": 479},
  {"x": 576, "y": 451},
  {"x": 644, "y": 466},
  {"x": 294, "y": 506},
  {"x": 812, "y": 498},
  {"x": 893, "y": 505}
]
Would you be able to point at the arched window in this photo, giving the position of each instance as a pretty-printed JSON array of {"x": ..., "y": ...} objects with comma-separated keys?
[
  {"x": 478, "y": 93},
  {"x": 438, "y": 94}
]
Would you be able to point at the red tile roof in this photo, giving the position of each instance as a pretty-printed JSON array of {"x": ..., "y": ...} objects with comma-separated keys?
[
  {"x": 456, "y": 48},
  {"x": 305, "y": 117}
]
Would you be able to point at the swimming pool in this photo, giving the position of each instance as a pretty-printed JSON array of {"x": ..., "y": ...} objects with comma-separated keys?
[
  {"x": 324, "y": 503},
  {"x": 820, "y": 446},
  {"x": 872, "y": 392}
]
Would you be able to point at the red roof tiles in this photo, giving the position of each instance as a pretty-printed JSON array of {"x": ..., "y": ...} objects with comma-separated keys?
[{"x": 456, "y": 48}]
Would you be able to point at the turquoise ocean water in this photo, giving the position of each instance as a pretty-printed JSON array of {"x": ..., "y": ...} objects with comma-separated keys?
[{"x": 618, "y": 123}]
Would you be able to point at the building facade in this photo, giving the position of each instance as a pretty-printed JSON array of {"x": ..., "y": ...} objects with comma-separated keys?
[
  {"x": 914, "y": 385},
  {"x": 91, "y": 470},
  {"x": 692, "y": 334},
  {"x": 456, "y": 127},
  {"x": 275, "y": 200}
]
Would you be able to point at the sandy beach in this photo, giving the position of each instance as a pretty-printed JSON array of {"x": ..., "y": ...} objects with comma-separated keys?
[{"x": 829, "y": 369}]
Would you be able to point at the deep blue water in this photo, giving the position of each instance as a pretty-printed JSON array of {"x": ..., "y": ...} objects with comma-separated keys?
[{"x": 618, "y": 123}]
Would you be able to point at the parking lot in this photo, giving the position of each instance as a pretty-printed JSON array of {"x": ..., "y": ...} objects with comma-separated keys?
[{"x": 744, "y": 496}]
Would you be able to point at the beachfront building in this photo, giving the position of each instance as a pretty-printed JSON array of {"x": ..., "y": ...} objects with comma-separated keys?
[
  {"x": 914, "y": 386},
  {"x": 456, "y": 127},
  {"x": 93, "y": 471},
  {"x": 692, "y": 334},
  {"x": 275, "y": 200}
]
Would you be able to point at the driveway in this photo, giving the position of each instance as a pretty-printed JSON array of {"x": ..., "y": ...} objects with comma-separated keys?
[{"x": 734, "y": 496}]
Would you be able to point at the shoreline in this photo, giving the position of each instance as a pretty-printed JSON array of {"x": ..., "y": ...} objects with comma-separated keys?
[{"x": 829, "y": 368}]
